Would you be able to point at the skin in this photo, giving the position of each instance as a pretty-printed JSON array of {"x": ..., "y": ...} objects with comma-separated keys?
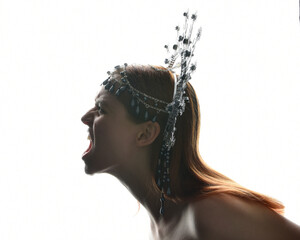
[{"x": 122, "y": 148}]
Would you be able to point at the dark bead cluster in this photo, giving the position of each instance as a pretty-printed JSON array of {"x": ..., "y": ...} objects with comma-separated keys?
[
  {"x": 182, "y": 53},
  {"x": 163, "y": 171},
  {"x": 137, "y": 98},
  {"x": 162, "y": 204}
]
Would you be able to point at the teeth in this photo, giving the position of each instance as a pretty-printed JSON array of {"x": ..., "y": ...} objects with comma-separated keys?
[{"x": 89, "y": 138}]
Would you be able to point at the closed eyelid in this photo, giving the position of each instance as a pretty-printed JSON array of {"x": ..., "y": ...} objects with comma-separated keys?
[
  {"x": 98, "y": 108},
  {"x": 98, "y": 105},
  {"x": 102, "y": 104}
]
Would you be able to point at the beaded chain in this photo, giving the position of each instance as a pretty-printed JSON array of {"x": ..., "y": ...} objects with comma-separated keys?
[
  {"x": 183, "y": 51},
  {"x": 137, "y": 96}
]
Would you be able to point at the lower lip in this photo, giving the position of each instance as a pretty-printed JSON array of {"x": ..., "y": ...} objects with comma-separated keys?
[{"x": 88, "y": 150}]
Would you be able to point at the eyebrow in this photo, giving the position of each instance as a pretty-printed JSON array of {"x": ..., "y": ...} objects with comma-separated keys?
[{"x": 102, "y": 103}]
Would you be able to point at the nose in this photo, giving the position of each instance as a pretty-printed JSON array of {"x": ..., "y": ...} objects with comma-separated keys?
[{"x": 87, "y": 118}]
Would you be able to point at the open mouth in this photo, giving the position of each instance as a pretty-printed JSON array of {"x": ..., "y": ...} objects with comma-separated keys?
[{"x": 90, "y": 146}]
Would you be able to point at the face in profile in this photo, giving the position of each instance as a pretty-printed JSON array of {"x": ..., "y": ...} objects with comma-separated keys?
[{"x": 111, "y": 134}]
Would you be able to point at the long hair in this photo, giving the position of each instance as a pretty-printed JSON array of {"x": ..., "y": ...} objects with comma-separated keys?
[{"x": 190, "y": 177}]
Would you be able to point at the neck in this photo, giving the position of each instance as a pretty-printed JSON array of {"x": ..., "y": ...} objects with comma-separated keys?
[{"x": 137, "y": 179}]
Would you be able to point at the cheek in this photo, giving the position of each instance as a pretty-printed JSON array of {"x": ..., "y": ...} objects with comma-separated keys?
[
  {"x": 102, "y": 133},
  {"x": 123, "y": 138},
  {"x": 112, "y": 139}
]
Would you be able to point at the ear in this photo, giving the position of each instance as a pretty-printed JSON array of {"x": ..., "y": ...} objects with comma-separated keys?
[{"x": 148, "y": 133}]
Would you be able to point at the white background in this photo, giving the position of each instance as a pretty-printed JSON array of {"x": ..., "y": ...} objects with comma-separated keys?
[{"x": 55, "y": 53}]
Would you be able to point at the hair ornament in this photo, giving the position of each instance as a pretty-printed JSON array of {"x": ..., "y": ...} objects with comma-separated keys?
[
  {"x": 180, "y": 59},
  {"x": 137, "y": 96},
  {"x": 183, "y": 51}
]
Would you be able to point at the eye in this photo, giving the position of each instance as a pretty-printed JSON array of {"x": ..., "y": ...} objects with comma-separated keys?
[{"x": 100, "y": 110}]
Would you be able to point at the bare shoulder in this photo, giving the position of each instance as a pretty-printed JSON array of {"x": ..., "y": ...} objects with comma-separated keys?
[{"x": 223, "y": 216}]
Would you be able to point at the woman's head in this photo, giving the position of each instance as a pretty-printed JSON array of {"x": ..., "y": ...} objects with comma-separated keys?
[{"x": 158, "y": 83}]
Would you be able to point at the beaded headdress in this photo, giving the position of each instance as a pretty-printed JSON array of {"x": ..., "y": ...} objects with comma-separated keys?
[{"x": 180, "y": 58}]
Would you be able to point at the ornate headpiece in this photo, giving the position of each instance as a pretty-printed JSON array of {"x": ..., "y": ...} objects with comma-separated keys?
[{"x": 183, "y": 51}]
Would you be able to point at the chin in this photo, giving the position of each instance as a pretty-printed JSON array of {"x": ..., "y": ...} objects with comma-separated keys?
[
  {"x": 88, "y": 170},
  {"x": 91, "y": 171}
]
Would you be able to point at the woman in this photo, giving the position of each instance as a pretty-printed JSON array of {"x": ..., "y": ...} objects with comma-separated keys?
[{"x": 203, "y": 203}]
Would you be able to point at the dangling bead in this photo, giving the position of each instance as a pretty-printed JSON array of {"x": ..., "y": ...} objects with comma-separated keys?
[
  {"x": 120, "y": 90},
  {"x": 168, "y": 191},
  {"x": 105, "y": 82},
  {"x": 132, "y": 103},
  {"x": 108, "y": 85},
  {"x": 162, "y": 209},
  {"x": 111, "y": 89},
  {"x": 117, "y": 92},
  {"x": 154, "y": 118},
  {"x": 158, "y": 182},
  {"x": 162, "y": 204},
  {"x": 164, "y": 179},
  {"x": 146, "y": 115},
  {"x": 137, "y": 110}
]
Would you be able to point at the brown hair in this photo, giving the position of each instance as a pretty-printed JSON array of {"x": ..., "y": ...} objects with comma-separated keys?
[{"x": 191, "y": 178}]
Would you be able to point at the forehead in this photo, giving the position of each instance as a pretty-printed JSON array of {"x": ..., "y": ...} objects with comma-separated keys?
[{"x": 105, "y": 98}]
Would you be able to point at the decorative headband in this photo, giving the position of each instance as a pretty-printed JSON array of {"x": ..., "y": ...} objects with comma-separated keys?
[{"x": 183, "y": 51}]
